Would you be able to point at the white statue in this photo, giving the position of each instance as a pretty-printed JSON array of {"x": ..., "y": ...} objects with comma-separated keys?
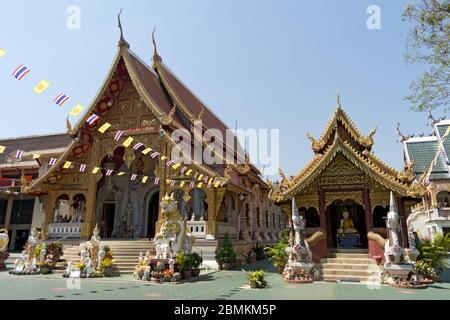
[
  {"x": 89, "y": 270},
  {"x": 84, "y": 253},
  {"x": 4, "y": 240},
  {"x": 32, "y": 242},
  {"x": 101, "y": 255},
  {"x": 43, "y": 253},
  {"x": 176, "y": 227},
  {"x": 393, "y": 252},
  {"x": 162, "y": 242}
]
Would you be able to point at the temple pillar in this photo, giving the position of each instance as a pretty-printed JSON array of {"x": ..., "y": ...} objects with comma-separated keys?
[
  {"x": 322, "y": 209},
  {"x": 367, "y": 209},
  {"x": 9, "y": 207}
]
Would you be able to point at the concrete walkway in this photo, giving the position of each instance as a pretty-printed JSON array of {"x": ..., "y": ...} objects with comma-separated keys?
[{"x": 219, "y": 285}]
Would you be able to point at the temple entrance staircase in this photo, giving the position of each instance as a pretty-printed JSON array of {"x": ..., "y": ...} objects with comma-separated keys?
[
  {"x": 353, "y": 265},
  {"x": 125, "y": 253}
]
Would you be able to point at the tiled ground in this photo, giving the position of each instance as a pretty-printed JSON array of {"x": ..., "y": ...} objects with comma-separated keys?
[{"x": 213, "y": 286}]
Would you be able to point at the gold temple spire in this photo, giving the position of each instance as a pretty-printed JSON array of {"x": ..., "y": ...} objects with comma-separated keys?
[
  {"x": 122, "y": 41},
  {"x": 338, "y": 99},
  {"x": 156, "y": 57}
]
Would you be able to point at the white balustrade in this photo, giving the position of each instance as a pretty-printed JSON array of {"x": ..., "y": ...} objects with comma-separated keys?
[
  {"x": 197, "y": 229},
  {"x": 64, "y": 230}
]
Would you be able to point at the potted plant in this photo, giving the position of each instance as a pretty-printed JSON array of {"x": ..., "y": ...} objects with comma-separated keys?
[
  {"x": 225, "y": 255},
  {"x": 44, "y": 267},
  {"x": 259, "y": 251},
  {"x": 168, "y": 275},
  {"x": 197, "y": 260},
  {"x": 256, "y": 279},
  {"x": 106, "y": 267},
  {"x": 55, "y": 251},
  {"x": 432, "y": 256},
  {"x": 277, "y": 255},
  {"x": 184, "y": 262}
]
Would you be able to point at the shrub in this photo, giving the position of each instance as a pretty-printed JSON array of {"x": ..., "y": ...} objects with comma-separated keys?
[
  {"x": 224, "y": 251},
  {"x": 256, "y": 279},
  {"x": 433, "y": 253},
  {"x": 259, "y": 251},
  {"x": 196, "y": 260},
  {"x": 184, "y": 262}
]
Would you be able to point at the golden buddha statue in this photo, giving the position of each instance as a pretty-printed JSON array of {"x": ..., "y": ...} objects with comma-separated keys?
[{"x": 347, "y": 225}]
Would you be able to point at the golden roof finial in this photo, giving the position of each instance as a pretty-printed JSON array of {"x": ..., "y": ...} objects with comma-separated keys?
[
  {"x": 68, "y": 125},
  {"x": 122, "y": 41},
  {"x": 338, "y": 99},
  {"x": 156, "y": 57}
]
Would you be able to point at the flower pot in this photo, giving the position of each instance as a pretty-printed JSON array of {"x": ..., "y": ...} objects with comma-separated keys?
[
  {"x": 45, "y": 270},
  {"x": 195, "y": 272},
  {"x": 226, "y": 266},
  {"x": 108, "y": 272},
  {"x": 186, "y": 274}
]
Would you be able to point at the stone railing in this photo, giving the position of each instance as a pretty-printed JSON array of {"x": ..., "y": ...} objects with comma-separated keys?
[
  {"x": 197, "y": 228},
  {"x": 444, "y": 213},
  {"x": 64, "y": 230}
]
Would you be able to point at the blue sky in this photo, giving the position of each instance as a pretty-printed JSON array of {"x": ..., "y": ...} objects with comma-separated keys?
[{"x": 267, "y": 64}]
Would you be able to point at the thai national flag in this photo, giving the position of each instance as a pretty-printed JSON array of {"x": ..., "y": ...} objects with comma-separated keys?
[
  {"x": 192, "y": 184},
  {"x": 172, "y": 183},
  {"x": 155, "y": 154},
  {"x": 156, "y": 181},
  {"x": 20, "y": 72},
  {"x": 61, "y": 99},
  {"x": 118, "y": 134},
  {"x": 109, "y": 172},
  {"x": 52, "y": 162},
  {"x": 133, "y": 176},
  {"x": 137, "y": 146},
  {"x": 92, "y": 119},
  {"x": 82, "y": 167},
  {"x": 19, "y": 154},
  {"x": 169, "y": 163},
  {"x": 183, "y": 170}
]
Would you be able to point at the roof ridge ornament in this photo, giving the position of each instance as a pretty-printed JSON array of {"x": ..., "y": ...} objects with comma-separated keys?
[
  {"x": 156, "y": 57},
  {"x": 338, "y": 99},
  {"x": 402, "y": 136},
  {"x": 122, "y": 41}
]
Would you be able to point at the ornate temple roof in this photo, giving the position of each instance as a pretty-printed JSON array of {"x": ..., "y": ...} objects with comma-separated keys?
[
  {"x": 168, "y": 98},
  {"x": 420, "y": 151},
  {"x": 342, "y": 137}
]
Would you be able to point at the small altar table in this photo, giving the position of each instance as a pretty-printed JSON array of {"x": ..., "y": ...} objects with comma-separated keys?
[{"x": 348, "y": 240}]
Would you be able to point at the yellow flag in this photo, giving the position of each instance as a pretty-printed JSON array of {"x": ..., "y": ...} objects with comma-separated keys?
[
  {"x": 144, "y": 179},
  {"x": 217, "y": 184},
  {"x": 176, "y": 166},
  {"x": 210, "y": 180},
  {"x": 146, "y": 151},
  {"x": 188, "y": 173},
  {"x": 2, "y": 52},
  {"x": 76, "y": 110},
  {"x": 104, "y": 127},
  {"x": 95, "y": 170},
  {"x": 121, "y": 173},
  {"x": 200, "y": 185},
  {"x": 41, "y": 86},
  {"x": 67, "y": 165},
  {"x": 127, "y": 142},
  {"x": 2, "y": 149},
  {"x": 36, "y": 156},
  {"x": 200, "y": 177},
  {"x": 182, "y": 183},
  {"x": 163, "y": 158}
]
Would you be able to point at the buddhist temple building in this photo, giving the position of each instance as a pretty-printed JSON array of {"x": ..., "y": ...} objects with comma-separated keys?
[
  {"x": 128, "y": 168},
  {"x": 19, "y": 212},
  {"x": 343, "y": 192},
  {"x": 431, "y": 216}
]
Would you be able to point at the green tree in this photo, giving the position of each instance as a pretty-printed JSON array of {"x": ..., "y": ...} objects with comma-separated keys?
[{"x": 428, "y": 45}]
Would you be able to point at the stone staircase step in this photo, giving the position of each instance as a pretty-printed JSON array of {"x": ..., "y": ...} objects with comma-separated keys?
[
  {"x": 346, "y": 266},
  {"x": 346, "y": 272},
  {"x": 349, "y": 255},
  {"x": 346, "y": 278},
  {"x": 347, "y": 261}
]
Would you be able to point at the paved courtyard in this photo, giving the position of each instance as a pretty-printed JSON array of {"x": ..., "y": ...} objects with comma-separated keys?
[{"x": 217, "y": 285}]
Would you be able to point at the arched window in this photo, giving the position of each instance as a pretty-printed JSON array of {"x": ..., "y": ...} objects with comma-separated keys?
[
  {"x": 258, "y": 218},
  {"x": 78, "y": 209},
  {"x": 312, "y": 218},
  {"x": 62, "y": 209},
  {"x": 178, "y": 195},
  {"x": 378, "y": 216},
  {"x": 197, "y": 205},
  {"x": 443, "y": 199}
]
